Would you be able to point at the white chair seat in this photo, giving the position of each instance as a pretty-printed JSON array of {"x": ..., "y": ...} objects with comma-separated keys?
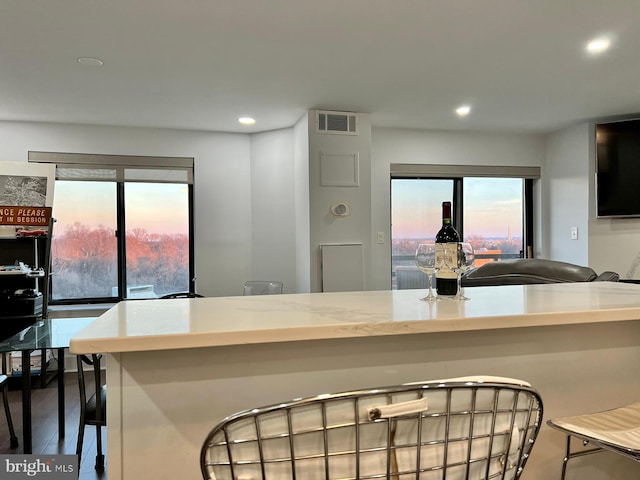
[{"x": 616, "y": 430}]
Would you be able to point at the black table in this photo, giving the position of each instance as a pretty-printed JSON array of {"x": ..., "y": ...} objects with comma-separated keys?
[{"x": 54, "y": 334}]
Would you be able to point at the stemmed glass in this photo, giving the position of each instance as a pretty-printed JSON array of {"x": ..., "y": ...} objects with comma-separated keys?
[
  {"x": 426, "y": 262},
  {"x": 462, "y": 263}
]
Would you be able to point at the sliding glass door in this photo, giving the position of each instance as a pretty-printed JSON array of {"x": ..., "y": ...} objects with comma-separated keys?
[
  {"x": 157, "y": 239},
  {"x": 84, "y": 248},
  {"x": 92, "y": 262},
  {"x": 489, "y": 213}
]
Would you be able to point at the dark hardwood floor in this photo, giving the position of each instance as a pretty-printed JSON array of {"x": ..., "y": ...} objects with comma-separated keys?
[{"x": 45, "y": 425}]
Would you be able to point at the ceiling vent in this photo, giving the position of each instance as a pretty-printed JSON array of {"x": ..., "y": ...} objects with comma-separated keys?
[{"x": 341, "y": 123}]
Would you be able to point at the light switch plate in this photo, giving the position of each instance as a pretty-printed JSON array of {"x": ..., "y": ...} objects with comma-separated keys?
[{"x": 574, "y": 233}]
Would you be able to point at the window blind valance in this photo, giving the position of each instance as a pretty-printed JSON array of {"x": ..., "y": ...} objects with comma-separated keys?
[
  {"x": 117, "y": 168},
  {"x": 406, "y": 170}
]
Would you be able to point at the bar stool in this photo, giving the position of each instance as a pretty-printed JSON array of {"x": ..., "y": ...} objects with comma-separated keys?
[
  {"x": 92, "y": 406},
  {"x": 616, "y": 430},
  {"x": 461, "y": 428},
  {"x": 4, "y": 385},
  {"x": 262, "y": 287}
]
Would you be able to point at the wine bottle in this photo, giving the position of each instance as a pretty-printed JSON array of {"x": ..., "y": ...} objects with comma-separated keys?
[{"x": 447, "y": 240}]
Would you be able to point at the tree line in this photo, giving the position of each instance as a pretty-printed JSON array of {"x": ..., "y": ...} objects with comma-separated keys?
[{"x": 84, "y": 261}]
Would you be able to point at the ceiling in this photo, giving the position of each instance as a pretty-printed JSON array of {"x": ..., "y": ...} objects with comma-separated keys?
[{"x": 200, "y": 64}]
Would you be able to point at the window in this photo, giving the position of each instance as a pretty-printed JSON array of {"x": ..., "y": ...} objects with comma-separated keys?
[
  {"x": 157, "y": 239},
  {"x": 492, "y": 210},
  {"x": 493, "y": 217},
  {"x": 96, "y": 198},
  {"x": 84, "y": 248}
]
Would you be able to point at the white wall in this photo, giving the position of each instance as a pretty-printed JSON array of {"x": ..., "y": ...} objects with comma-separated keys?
[
  {"x": 446, "y": 148},
  {"x": 324, "y": 227},
  {"x": 258, "y": 210},
  {"x": 273, "y": 208},
  {"x": 603, "y": 243},
  {"x": 301, "y": 204},
  {"x": 568, "y": 162},
  {"x": 223, "y": 229},
  {"x": 614, "y": 243}
]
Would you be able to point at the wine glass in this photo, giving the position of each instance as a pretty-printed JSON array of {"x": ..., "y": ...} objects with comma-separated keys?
[
  {"x": 426, "y": 262},
  {"x": 461, "y": 263}
]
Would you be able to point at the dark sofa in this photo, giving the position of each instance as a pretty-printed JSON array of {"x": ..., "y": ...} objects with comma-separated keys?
[{"x": 525, "y": 271}]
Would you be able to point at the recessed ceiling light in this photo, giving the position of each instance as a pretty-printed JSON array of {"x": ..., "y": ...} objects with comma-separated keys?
[
  {"x": 247, "y": 120},
  {"x": 598, "y": 45},
  {"x": 90, "y": 62},
  {"x": 463, "y": 110}
]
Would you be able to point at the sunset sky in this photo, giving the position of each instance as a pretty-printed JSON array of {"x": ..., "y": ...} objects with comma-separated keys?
[
  {"x": 159, "y": 208},
  {"x": 491, "y": 206}
]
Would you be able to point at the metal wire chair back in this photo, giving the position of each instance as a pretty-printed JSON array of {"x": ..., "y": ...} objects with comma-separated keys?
[{"x": 473, "y": 428}]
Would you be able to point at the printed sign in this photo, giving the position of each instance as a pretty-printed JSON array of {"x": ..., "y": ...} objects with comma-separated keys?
[
  {"x": 25, "y": 216},
  {"x": 49, "y": 467}
]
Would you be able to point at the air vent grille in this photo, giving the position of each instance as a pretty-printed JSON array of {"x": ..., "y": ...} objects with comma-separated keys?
[{"x": 342, "y": 123}]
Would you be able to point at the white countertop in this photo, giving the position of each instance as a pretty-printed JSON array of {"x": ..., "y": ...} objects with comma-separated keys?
[{"x": 143, "y": 325}]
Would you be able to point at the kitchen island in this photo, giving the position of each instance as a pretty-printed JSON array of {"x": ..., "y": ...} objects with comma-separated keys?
[{"x": 177, "y": 367}]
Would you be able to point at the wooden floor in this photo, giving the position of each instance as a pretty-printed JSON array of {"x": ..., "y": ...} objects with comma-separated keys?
[{"x": 45, "y": 426}]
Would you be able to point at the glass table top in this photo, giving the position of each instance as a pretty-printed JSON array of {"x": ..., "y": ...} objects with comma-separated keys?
[{"x": 46, "y": 333}]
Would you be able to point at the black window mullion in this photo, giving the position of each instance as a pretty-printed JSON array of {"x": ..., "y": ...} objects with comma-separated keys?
[
  {"x": 527, "y": 235},
  {"x": 458, "y": 215},
  {"x": 122, "y": 241},
  {"x": 192, "y": 260}
]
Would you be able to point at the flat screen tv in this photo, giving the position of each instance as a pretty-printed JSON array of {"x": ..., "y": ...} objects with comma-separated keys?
[{"x": 618, "y": 169}]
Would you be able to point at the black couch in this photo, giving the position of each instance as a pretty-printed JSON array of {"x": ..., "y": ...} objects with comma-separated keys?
[{"x": 524, "y": 271}]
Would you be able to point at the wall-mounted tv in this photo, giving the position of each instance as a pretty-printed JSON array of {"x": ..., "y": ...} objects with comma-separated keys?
[{"x": 618, "y": 168}]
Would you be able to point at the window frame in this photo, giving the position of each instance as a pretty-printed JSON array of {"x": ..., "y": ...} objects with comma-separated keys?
[
  {"x": 457, "y": 173},
  {"x": 121, "y": 169}
]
